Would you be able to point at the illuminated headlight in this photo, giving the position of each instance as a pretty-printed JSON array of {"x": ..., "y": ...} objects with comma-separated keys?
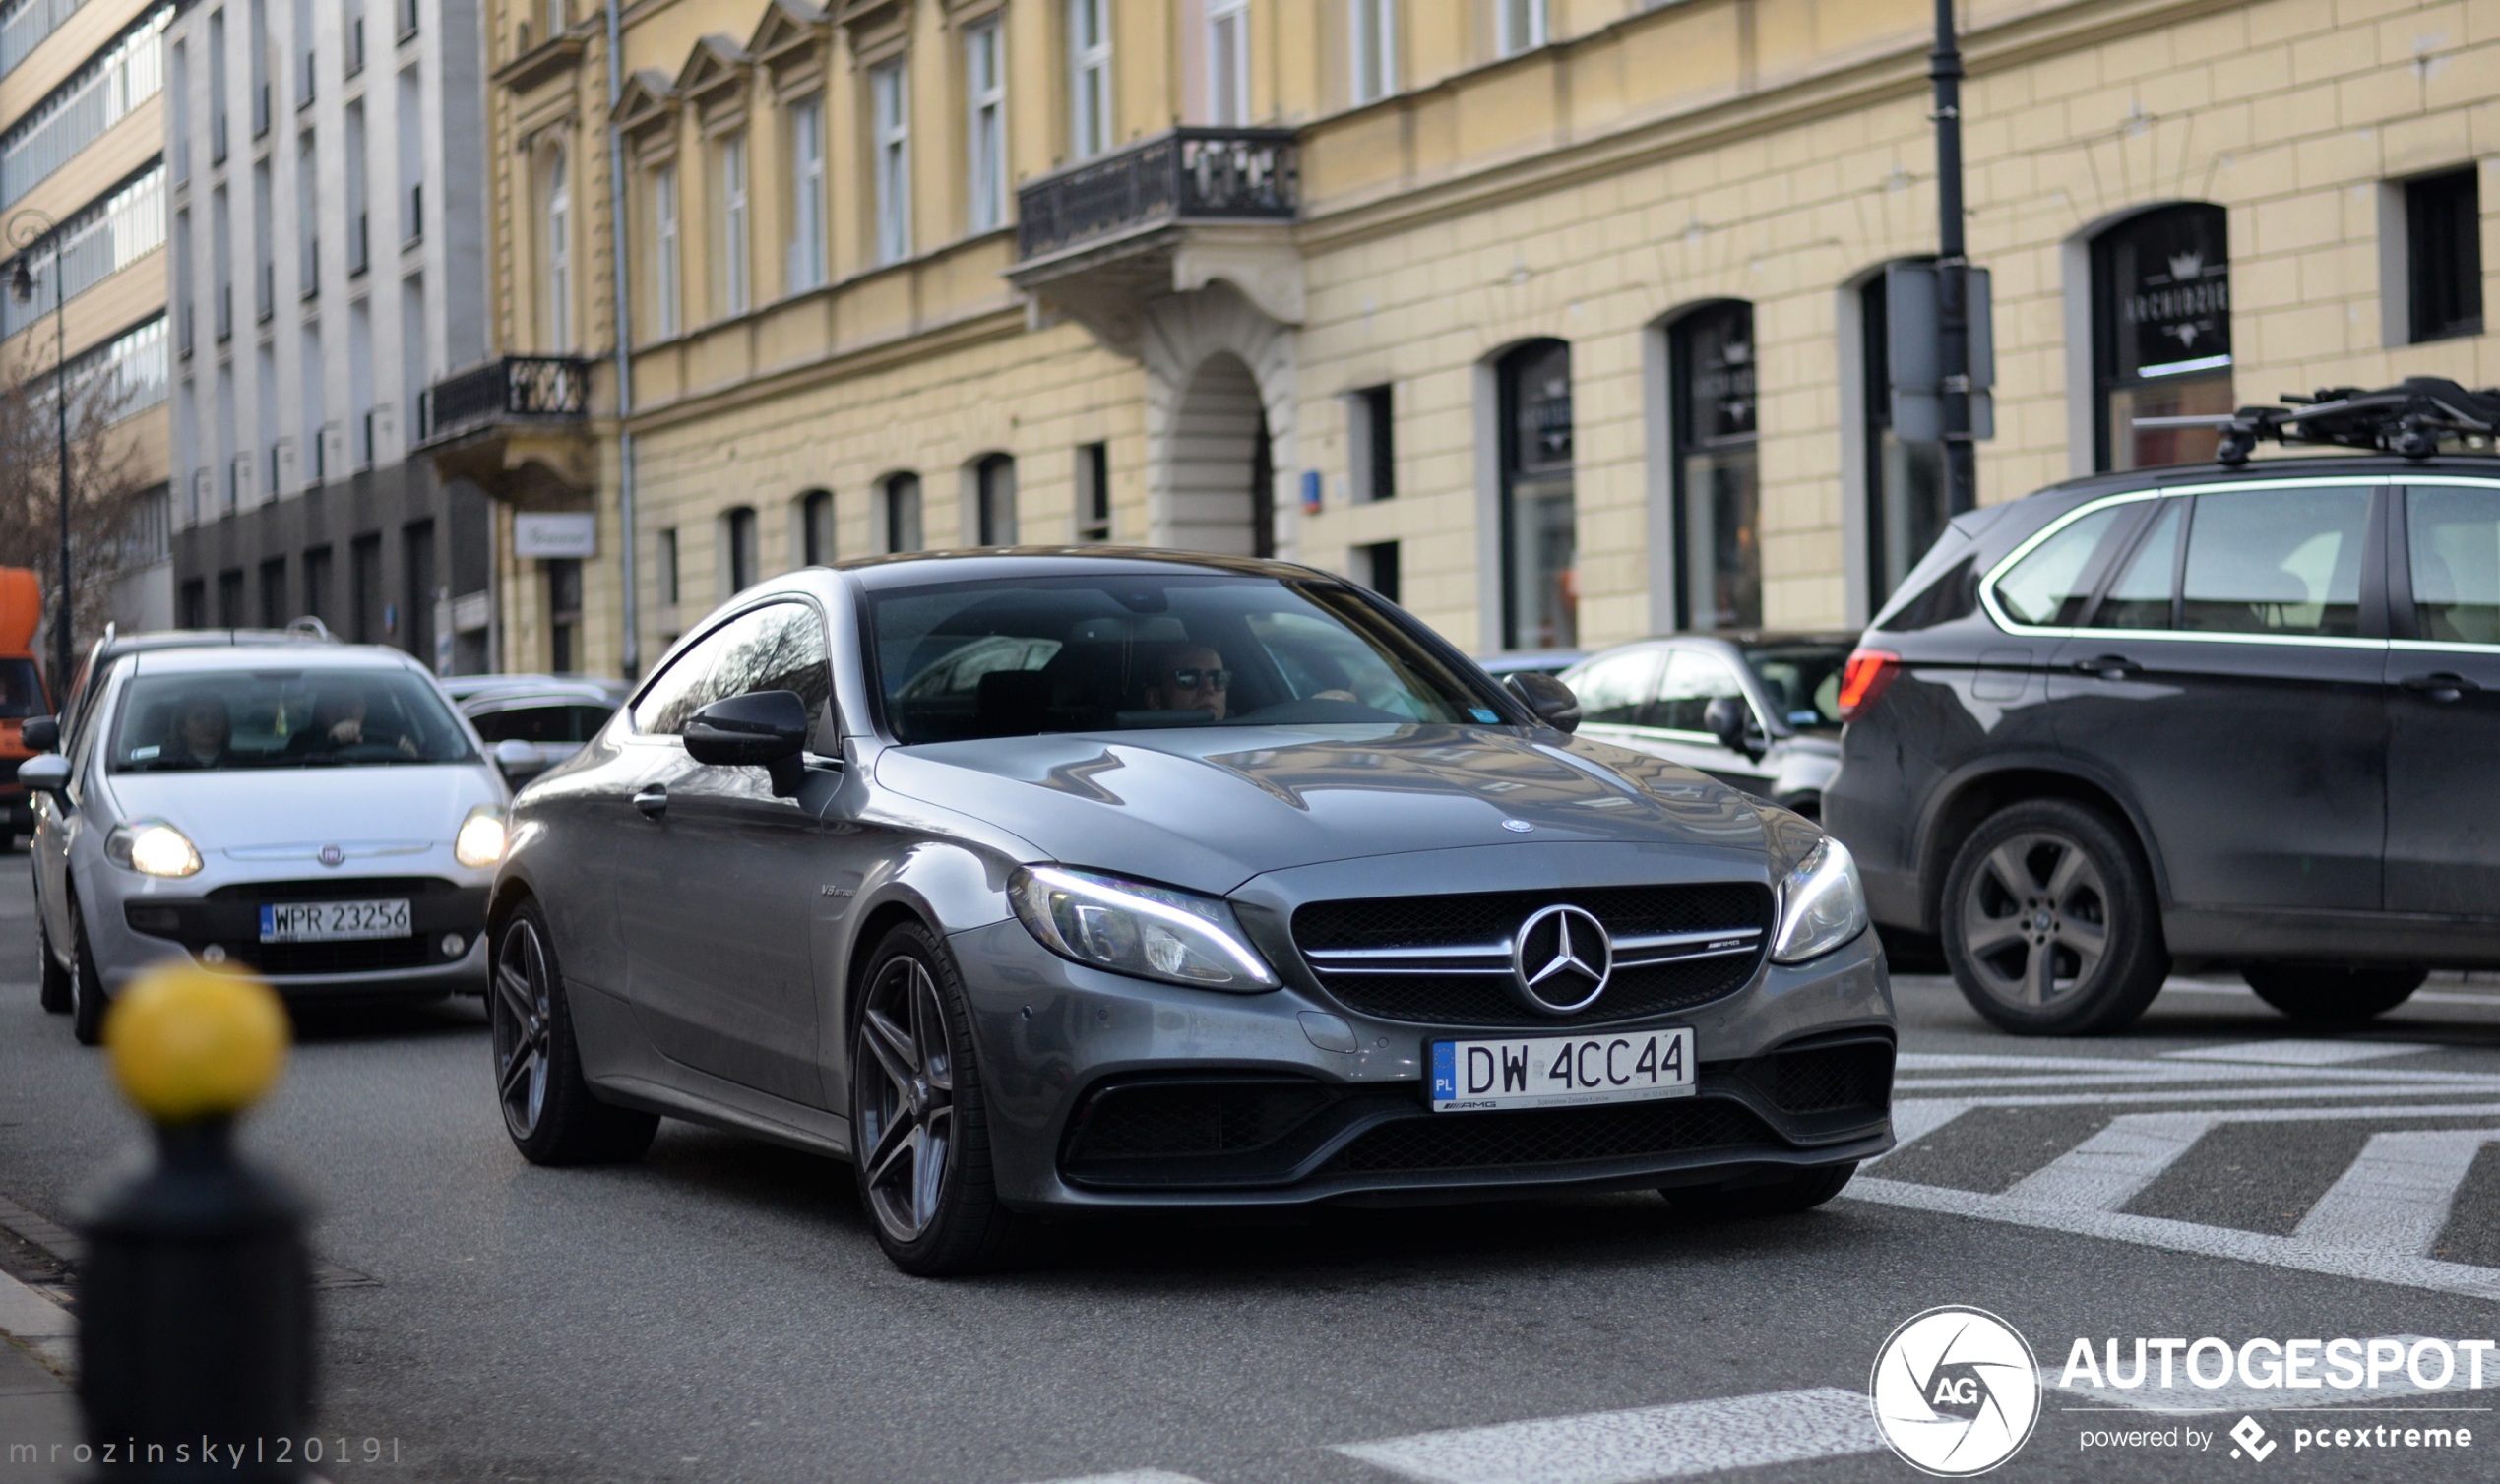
[
  {"x": 480, "y": 841},
  {"x": 152, "y": 848},
  {"x": 1821, "y": 905},
  {"x": 1130, "y": 928}
]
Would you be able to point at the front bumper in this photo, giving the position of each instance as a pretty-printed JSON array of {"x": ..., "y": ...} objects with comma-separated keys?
[
  {"x": 219, "y": 928},
  {"x": 1106, "y": 1092}
]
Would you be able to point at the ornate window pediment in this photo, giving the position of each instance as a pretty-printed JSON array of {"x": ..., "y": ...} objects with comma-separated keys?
[
  {"x": 717, "y": 67},
  {"x": 647, "y": 102},
  {"x": 791, "y": 33}
]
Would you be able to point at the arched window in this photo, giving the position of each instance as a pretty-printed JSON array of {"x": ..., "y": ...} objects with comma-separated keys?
[
  {"x": 737, "y": 550},
  {"x": 2161, "y": 334},
  {"x": 994, "y": 501},
  {"x": 558, "y": 226},
  {"x": 901, "y": 500},
  {"x": 1541, "y": 593},
  {"x": 816, "y": 528},
  {"x": 1904, "y": 481},
  {"x": 1718, "y": 465}
]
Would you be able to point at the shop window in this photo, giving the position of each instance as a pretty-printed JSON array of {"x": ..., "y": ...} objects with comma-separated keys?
[
  {"x": 2161, "y": 340},
  {"x": 1541, "y": 596},
  {"x": 1906, "y": 507},
  {"x": 1717, "y": 466}
]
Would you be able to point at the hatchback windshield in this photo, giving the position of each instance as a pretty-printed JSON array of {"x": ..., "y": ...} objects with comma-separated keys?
[
  {"x": 1803, "y": 681},
  {"x": 283, "y": 718},
  {"x": 999, "y": 658}
]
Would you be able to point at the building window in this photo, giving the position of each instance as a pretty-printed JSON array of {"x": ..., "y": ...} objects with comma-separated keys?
[
  {"x": 558, "y": 226},
  {"x": 890, "y": 101},
  {"x": 985, "y": 133},
  {"x": 994, "y": 501},
  {"x": 899, "y": 499},
  {"x": 1522, "y": 25},
  {"x": 1540, "y": 598},
  {"x": 1904, "y": 481},
  {"x": 1717, "y": 466},
  {"x": 807, "y": 196},
  {"x": 1375, "y": 49},
  {"x": 1094, "y": 492},
  {"x": 317, "y": 586},
  {"x": 564, "y": 614},
  {"x": 667, "y": 307},
  {"x": 2161, "y": 335},
  {"x": 417, "y": 587},
  {"x": 2443, "y": 250},
  {"x": 816, "y": 528},
  {"x": 729, "y": 247},
  {"x": 229, "y": 598},
  {"x": 1088, "y": 77},
  {"x": 669, "y": 579},
  {"x": 1376, "y": 567},
  {"x": 191, "y": 611},
  {"x": 273, "y": 593},
  {"x": 737, "y": 551},
  {"x": 1228, "y": 61},
  {"x": 1374, "y": 445}
]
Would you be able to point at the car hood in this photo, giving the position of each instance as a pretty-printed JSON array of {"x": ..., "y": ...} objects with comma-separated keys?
[
  {"x": 258, "y": 810},
  {"x": 1211, "y": 807}
]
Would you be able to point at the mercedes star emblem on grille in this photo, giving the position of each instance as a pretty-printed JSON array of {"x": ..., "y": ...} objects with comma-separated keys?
[{"x": 1560, "y": 959}]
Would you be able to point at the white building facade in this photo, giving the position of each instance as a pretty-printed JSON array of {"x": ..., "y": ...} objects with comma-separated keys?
[{"x": 326, "y": 219}]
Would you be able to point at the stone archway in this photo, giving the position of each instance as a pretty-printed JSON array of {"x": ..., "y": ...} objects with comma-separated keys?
[{"x": 1219, "y": 424}]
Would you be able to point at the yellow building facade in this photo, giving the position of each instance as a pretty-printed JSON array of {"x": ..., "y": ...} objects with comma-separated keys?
[{"x": 1561, "y": 321}]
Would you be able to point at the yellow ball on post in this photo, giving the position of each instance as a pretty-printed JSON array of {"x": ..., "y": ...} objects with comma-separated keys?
[{"x": 187, "y": 1043}]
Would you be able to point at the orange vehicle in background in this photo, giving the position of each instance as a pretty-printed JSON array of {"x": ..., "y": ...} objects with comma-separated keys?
[{"x": 22, "y": 693}]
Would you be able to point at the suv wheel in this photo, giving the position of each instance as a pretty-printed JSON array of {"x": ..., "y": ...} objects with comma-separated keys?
[
  {"x": 2049, "y": 921},
  {"x": 2328, "y": 995},
  {"x": 54, "y": 979}
]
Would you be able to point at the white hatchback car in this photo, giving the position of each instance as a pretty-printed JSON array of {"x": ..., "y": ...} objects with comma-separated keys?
[{"x": 320, "y": 815}]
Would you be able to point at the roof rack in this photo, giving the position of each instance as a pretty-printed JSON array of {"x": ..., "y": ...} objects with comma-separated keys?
[{"x": 2410, "y": 418}]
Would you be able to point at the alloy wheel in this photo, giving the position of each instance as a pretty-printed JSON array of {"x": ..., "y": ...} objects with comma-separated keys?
[
  {"x": 906, "y": 1098},
  {"x": 522, "y": 1015},
  {"x": 2036, "y": 919}
]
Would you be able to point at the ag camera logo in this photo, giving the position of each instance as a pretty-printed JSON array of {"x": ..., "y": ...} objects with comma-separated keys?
[{"x": 1955, "y": 1391}]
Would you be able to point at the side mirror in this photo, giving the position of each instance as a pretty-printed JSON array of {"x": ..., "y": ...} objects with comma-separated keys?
[
  {"x": 1729, "y": 720},
  {"x": 760, "y": 729},
  {"x": 1551, "y": 699},
  {"x": 47, "y": 773},
  {"x": 518, "y": 760},
  {"x": 40, "y": 734}
]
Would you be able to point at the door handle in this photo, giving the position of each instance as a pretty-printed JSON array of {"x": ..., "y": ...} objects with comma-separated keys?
[
  {"x": 2109, "y": 667},
  {"x": 653, "y": 801},
  {"x": 2442, "y": 687}
]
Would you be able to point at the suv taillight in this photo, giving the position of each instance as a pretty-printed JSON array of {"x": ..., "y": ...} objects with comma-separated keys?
[{"x": 1862, "y": 683}]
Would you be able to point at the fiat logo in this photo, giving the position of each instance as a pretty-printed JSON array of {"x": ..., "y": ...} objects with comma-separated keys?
[
  {"x": 332, "y": 855},
  {"x": 1561, "y": 960}
]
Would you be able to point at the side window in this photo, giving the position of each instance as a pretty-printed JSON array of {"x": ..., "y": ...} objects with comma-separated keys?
[
  {"x": 779, "y": 647},
  {"x": 2452, "y": 541},
  {"x": 1615, "y": 691},
  {"x": 2139, "y": 598},
  {"x": 2050, "y": 585},
  {"x": 682, "y": 688},
  {"x": 1693, "y": 681},
  {"x": 2275, "y": 560}
]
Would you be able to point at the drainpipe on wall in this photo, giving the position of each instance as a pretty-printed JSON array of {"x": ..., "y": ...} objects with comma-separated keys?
[{"x": 620, "y": 290}]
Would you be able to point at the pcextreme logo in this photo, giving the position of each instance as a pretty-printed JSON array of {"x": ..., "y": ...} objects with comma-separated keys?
[{"x": 1955, "y": 1391}]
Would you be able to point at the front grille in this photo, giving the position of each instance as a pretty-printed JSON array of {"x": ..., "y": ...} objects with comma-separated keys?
[
  {"x": 1550, "y": 1136},
  {"x": 333, "y": 888},
  {"x": 1485, "y": 919},
  {"x": 366, "y": 957}
]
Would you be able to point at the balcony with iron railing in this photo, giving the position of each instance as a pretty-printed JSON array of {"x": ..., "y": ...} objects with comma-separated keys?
[
  {"x": 519, "y": 426},
  {"x": 1168, "y": 213}
]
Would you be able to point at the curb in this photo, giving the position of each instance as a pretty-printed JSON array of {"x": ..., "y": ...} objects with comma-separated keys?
[{"x": 38, "y": 1323}]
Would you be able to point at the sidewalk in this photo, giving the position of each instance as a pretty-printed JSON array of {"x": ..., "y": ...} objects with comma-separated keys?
[{"x": 38, "y": 1414}]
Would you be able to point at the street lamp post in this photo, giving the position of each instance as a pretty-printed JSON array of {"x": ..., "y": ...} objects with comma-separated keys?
[{"x": 26, "y": 229}]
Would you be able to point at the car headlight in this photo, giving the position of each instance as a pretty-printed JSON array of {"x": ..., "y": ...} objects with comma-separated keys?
[
  {"x": 153, "y": 847},
  {"x": 480, "y": 841},
  {"x": 1821, "y": 905},
  {"x": 1131, "y": 928}
]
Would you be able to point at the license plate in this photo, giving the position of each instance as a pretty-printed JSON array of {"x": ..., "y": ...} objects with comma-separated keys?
[
  {"x": 1558, "y": 1072},
  {"x": 334, "y": 921}
]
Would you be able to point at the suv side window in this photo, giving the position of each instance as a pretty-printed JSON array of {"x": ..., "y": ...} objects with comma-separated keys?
[
  {"x": 2139, "y": 598},
  {"x": 2453, "y": 540},
  {"x": 1617, "y": 690},
  {"x": 2049, "y": 587},
  {"x": 2275, "y": 560},
  {"x": 1693, "y": 681}
]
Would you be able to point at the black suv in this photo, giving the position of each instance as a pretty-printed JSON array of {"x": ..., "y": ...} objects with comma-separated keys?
[{"x": 2232, "y": 715}]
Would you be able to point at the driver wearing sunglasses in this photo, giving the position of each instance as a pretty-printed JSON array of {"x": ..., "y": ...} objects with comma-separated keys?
[{"x": 1192, "y": 679}]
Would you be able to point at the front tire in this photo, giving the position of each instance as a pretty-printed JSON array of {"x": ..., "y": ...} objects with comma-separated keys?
[
  {"x": 88, "y": 1000},
  {"x": 2050, "y": 925},
  {"x": 918, "y": 1122},
  {"x": 53, "y": 980},
  {"x": 2327, "y": 995},
  {"x": 548, "y": 1107}
]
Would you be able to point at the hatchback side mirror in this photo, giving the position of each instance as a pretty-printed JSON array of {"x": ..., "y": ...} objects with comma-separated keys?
[
  {"x": 760, "y": 729},
  {"x": 1551, "y": 699},
  {"x": 518, "y": 760},
  {"x": 1727, "y": 718},
  {"x": 41, "y": 733},
  {"x": 47, "y": 773}
]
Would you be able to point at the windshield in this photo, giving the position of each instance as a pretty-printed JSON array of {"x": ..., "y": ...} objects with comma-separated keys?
[
  {"x": 283, "y": 718},
  {"x": 1803, "y": 681},
  {"x": 1005, "y": 658},
  {"x": 20, "y": 694}
]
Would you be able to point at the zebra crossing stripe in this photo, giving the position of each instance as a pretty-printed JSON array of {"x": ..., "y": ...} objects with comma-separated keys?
[
  {"x": 2397, "y": 1197},
  {"x": 1630, "y": 1447},
  {"x": 2301, "y": 1053},
  {"x": 1133, "y": 1476},
  {"x": 2105, "y": 1171}
]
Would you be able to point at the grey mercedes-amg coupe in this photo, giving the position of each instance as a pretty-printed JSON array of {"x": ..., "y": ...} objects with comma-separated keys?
[{"x": 1045, "y": 882}]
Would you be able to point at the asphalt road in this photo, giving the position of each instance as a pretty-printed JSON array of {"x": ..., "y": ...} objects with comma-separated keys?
[{"x": 719, "y": 1311}]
